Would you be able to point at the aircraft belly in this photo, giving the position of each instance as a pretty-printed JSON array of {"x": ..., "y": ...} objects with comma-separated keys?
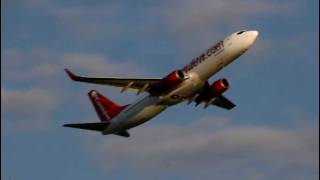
[
  {"x": 187, "y": 89},
  {"x": 136, "y": 114},
  {"x": 146, "y": 114}
]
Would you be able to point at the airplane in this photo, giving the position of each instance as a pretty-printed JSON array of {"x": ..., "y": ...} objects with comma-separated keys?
[{"x": 188, "y": 84}]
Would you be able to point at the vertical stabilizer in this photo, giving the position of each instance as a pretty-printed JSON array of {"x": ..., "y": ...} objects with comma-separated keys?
[{"x": 105, "y": 108}]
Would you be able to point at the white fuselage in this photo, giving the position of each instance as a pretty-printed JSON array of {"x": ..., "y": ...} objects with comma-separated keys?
[{"x": 198, "y": 72}]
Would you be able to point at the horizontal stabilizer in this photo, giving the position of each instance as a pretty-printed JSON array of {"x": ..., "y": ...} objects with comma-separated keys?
[
  {"x": 223, "y": 102},
  {"x": 89, "y": 126},
  {"x": 123, "y": 134}
]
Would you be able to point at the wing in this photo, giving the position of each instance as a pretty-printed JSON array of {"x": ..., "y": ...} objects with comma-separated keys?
[
  {"x": 141, "y": 85},
  {"x": 219, "y": 101},
  {"x": 223, "y": 102}
]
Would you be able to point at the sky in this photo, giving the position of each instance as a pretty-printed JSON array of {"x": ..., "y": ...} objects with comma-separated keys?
[{"x": 273, "y": 133}]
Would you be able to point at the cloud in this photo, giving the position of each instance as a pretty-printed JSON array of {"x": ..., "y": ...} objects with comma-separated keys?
[
  {"x": 27, "y": 109},
  {"x": 43, "y": 71},
  {"x": 27, "y": 101},
  {"x": 191, "y": 24},
  {"x": 188, "y": 15},
  {"x": 215, "y": 147},
  {"x": 184, "y": 19},
  {"x": 34, "y": 84},
  {"x": 42, "y": 65},
  {"x": 201, "y": 23},
  {"x": 32, "y": 65},
  {"x": 99, "y": 65},
  {"x": 86, "y": 22}
]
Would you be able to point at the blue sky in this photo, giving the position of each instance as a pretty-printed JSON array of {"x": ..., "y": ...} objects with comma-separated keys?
[{"x": 271, "y": 134}]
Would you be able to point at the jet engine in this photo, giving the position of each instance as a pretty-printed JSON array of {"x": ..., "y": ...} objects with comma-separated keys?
[
  {"x": 210, "y": 92},
  {"x": 219, "y": 87},
  {"x": 173, "y": 79}
]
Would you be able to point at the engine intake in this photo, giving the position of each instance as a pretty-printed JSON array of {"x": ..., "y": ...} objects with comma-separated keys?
[
  {"x": 219, "y": 86},
  {"x": 173, "y": 79}
]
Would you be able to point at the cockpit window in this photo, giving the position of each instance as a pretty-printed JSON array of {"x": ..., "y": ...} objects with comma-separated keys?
[{"x": 240, "y": 32}]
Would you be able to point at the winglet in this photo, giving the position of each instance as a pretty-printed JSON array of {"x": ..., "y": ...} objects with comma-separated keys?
[{"x": 71, "y": 75}]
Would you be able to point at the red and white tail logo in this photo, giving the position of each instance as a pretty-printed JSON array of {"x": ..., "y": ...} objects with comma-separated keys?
[{"x": 105, "y": 108}]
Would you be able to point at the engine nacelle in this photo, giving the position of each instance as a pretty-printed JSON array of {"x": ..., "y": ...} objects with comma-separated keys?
[
  {"x": 219, "y": 87},
  {"x": 173, "y": 79},
  {"x": 211, "y": 91}
]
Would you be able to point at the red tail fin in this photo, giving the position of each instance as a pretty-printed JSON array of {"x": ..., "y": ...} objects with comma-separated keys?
[{"x": 105, "y": 108}]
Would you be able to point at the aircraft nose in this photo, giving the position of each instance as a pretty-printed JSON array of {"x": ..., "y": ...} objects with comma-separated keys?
[
  {"x": 252, "y": 36},
  {"x": 255, "y": 34}
]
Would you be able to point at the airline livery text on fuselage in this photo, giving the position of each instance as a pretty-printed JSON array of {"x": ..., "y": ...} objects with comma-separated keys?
[{"x": 214, "y": 50}]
